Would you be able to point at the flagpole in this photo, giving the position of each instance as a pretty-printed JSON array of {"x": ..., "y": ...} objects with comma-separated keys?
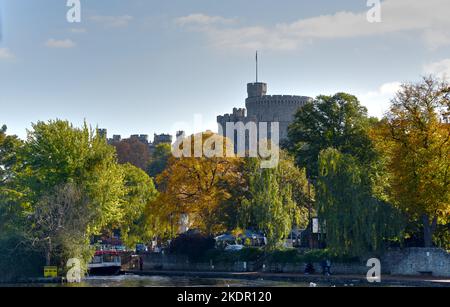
[{"x": 257, "y": 66}]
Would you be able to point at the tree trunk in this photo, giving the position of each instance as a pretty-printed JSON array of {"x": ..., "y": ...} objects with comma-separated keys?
[
  {"x": 429, "y": 228},
  {"x": 48, "y": 255}
]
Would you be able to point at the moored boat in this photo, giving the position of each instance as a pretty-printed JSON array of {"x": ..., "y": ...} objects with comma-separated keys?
[{"x": 105, "y": 263}]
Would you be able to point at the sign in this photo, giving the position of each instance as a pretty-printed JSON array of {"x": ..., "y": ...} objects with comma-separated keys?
[
  {"x": 316, "y": 227},
  {"x": 51, "y": 271}
]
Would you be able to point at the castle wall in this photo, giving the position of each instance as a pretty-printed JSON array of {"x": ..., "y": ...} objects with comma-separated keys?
[
  {"x": 276, "y": 108},
  {"x": 265, "y": 108}
]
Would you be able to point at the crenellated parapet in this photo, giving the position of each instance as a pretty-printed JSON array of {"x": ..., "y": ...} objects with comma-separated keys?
[{"x": 266, "y": 108}]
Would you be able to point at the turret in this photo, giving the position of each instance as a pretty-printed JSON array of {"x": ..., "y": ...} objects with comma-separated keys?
[{"x": 257, "y": 89}]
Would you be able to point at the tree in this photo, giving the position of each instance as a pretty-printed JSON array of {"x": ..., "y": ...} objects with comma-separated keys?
[
  {"x": 337, "y": 121},
  {"x": 302, "y": 194},
  {"x": 159, "y": 159},
  {"x": 59, "y": 222},
  {"x": 415, "y": 138},
  {"x": 57, "y": 156},
  {"x": 9, "y": 145},
  {"x": 134, "y": 152},
  {"x": 196, "y": 187},
  {"x": 10, "y": 218},
  {"x": 140, "y": 192},
  {"x": 62, "y": 186},
  {"x": 355, "y": 221},
  {"x": 269, "y": 207}
]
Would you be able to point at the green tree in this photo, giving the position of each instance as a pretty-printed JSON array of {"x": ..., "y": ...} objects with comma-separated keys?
[
  {"x": 11, "y": 219},
  {"x": 56, "y": 155},
  {"x": 355, "y": 221},
  {"x": 302, "y": 193},
  {"x": 337, "y": 121},
  {"x": 59, "y": 223},
  {"x": 159, "y": 159},
  {"x": 269, "y": 206},
  {"x": 140, "y": 192}
]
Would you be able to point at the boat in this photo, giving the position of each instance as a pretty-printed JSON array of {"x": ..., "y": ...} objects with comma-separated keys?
[{"x": 105, "y": 263}]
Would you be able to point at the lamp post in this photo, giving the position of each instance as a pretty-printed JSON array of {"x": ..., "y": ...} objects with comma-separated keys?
[{"x": 309, "y": 216}]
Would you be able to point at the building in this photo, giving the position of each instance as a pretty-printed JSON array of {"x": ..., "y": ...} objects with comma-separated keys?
[
  {"x": 160, "y": 139},
  {"x": 143, "y": 138},
  {"x": 261, "y": 107}
]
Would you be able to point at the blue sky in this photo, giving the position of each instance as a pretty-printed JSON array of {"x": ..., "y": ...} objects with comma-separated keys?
[{"x": 141, "y": 66}]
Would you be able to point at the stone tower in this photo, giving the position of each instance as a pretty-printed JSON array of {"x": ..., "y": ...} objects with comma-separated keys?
[{"x": 261, "y": 107}]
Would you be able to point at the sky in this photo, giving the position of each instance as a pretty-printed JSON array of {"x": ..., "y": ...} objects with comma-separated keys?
[{"x": 147, "y": 66}]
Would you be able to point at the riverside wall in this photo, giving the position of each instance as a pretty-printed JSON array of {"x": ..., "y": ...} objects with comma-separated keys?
[{"x": 408, "y": 262}]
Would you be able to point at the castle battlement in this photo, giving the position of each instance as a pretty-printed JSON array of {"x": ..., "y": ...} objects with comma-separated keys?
[
  {"x": 236, "y": 116},
  {"x": 277, "y": 100},
  {"x": 266, "y": 108}
]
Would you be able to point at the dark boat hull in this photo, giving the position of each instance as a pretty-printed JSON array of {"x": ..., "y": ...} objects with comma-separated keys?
[{"x": 104, "y": 271}]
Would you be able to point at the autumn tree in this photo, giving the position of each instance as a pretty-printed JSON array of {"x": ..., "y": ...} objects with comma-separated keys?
[
  {"x": 196, "y": 186},
  {"x": 415, "y": 138},
  {"x": 133, "y": 151}
]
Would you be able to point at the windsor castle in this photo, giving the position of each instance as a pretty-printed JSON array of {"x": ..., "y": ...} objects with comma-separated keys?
[{"x": 261, "y": 107}]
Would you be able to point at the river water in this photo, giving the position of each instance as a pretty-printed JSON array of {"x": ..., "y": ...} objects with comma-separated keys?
[{"x": 165, "y": 281}]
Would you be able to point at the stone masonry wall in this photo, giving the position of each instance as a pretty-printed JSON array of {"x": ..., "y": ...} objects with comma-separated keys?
[
  {"x": 410, "y": 261},
  {"x": 417, "y": 261}
]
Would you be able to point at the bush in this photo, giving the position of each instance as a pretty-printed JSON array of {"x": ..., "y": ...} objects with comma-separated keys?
[
  {"x": 284, "y": 256},
  {"x": 319, "y": 255},
  {"x": 192, "y": 245},
  {"x": 19, "y": 261}
]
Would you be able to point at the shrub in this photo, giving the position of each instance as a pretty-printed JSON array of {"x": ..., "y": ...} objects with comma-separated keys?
[
  {"x": 319, "y": 255},
  {"x": 284, "y": 256},
  {"x": 192, "y": 245},
  {"x": 18, "y": 260}
]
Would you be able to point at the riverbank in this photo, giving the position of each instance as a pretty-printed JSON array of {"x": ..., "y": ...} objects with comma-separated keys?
[{"x": 334, "y": 280}]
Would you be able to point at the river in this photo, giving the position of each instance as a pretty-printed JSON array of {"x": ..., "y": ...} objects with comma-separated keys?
[{"x": 165, "y": 281}]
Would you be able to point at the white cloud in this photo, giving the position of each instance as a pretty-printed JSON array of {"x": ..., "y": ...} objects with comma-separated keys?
[
  {"x": 112, "y": 21},
  {"x": 6, "y": 54},
  {"x": 64, "y": 44},
  {"x": 427, "y": 19},
  {"x": 441, "y": 69},
  {"x": 378, "y": 101},
  {"x": 78, "y": 30},
  {"x": 202, "y": 19}
]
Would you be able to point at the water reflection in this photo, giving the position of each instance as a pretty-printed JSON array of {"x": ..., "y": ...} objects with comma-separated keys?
[{"x": 166, "y": 281}]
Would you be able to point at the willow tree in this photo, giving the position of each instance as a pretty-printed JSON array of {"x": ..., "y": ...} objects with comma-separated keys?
[
  {"x": 269, "y": 205},
  {"x": 415, "y": 139},
  {"x": 355, "y": 221}
]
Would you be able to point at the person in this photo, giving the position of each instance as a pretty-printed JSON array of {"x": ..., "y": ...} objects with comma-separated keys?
[
  {"x": 309, "y": 269},
  {"x": 326, "y": 267},
  {"x": 141, "y": 263}
]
